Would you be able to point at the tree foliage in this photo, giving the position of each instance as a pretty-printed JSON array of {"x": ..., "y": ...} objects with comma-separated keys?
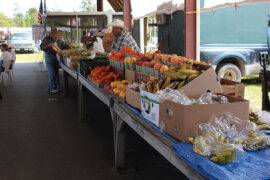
[
  {"x": 33, "y": 15},
  {"x": 5, "y": 21},
  {"x": 88, "y": 6}
]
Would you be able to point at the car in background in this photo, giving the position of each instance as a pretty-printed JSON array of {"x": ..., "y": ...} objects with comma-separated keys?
[{"x": 23, "y": 42}]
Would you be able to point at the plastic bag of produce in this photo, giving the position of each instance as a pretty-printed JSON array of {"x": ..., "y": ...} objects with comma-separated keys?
[
  {"x": 255, "y": 141},
  {"x": 222, "y": 137},
  {"x": 176, "y": 96},
  {"x": 210, "y": 98},
  {"x": 98, "y": 46}
]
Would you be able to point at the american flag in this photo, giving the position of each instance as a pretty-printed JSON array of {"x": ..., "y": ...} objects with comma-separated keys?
[
  {"x": 44, "y": 19},
  {"x": 40, "y": 12}
]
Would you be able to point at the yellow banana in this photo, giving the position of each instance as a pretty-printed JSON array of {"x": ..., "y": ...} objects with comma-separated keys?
[
  {"x": 189, "y": 71},
  {"x": 181, "y": 84},
  {"x": 190, "y": 140},
  {"x": 192, "y": 76}
]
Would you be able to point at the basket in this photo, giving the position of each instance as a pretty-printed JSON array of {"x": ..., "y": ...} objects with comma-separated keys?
[{"x": 86, "y": 65}]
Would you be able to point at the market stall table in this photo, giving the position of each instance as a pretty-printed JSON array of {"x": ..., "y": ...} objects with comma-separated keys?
[{"x": 177, "y": 153}]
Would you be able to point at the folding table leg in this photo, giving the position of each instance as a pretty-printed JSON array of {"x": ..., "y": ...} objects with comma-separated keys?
[
  {"x": 64, "y": 80},
  {"x": 120, "y": 145},
  {"x": 82, "y": 102}
]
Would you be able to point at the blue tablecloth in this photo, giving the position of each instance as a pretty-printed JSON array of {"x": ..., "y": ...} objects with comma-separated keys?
[{"x": 247, "y": 165}]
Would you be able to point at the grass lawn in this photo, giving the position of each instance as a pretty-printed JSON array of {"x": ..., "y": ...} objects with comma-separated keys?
[
  {"x": 253, "y": 89},
  {"x": 28, "y": 57}
]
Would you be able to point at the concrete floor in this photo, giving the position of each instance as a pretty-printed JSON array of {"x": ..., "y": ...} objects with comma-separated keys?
[{"x": 41, "y": 137}]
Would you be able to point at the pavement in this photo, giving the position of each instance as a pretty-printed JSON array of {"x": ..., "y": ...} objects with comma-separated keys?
[{"x": 41, "y": 137}]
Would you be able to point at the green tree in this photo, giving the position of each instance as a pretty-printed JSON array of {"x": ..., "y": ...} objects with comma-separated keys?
[
  {"x": 88, "y": 5},
  {"x": 27, "y": 21},
  {"x": 18, "y": 17},
  {"x": 19, "y": 20},
  {"x": 5, "y": 21},
  {"x": 33, "y": 15}
]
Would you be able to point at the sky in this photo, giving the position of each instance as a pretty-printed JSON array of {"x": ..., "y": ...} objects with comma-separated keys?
[{"x": 7, "y": 7}]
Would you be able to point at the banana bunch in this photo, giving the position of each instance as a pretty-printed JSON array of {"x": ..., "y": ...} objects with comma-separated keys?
[
  {"x": 214, "y": 146},
  {"x": 224, "y": 157},
  {"x": 255, "y": 141},
  {"x": 56, "y": 48},
  {"x": 171, "y": 81},
  {"x": 254, "y": 117}
]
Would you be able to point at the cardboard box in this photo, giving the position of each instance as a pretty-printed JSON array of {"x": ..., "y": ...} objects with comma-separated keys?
[
  {"x": 141, "y": 77},
  {"x": 206, "y": 81},
  {"x": 130, "y": 75},
  {"x": 181, "y": 121},
  {"x": 133, "y": 98},
  {"x": 233, "y": 88},
  {"x": 120, "y": 71},
  {"x": 150, "y": 106},
  {"x": 100, "y": 85},
  {"x": 115, "y": 95}
]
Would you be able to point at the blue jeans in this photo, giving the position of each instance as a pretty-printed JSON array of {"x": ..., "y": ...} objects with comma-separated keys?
[{"x": 52, "y": 66}]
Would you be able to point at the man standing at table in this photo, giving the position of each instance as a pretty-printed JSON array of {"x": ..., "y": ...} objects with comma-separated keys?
[
  {"x": 51, "y": 60},
  {"x": 122, "y": 38}
]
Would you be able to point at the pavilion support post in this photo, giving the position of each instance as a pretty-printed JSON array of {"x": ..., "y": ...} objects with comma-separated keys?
[
  {"x": 127, "y": 16},
  {"x": 190, "y": 29},
  {"x": 145, "y": 33},
  {"x": 99, "y": 5}
]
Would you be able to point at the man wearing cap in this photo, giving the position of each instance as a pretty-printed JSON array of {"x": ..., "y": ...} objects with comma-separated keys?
[
  {"x": 121, "y": 37},
  {"x": 50, "y": 58}
]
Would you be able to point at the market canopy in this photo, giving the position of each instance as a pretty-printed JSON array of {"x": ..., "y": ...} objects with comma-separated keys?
[{"x": 145, "y": 8}]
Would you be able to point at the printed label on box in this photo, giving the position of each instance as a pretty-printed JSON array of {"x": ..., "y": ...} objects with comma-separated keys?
[{"x": 150, "y": 107}]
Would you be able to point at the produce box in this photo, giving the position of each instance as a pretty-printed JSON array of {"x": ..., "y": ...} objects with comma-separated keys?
[
  {"x": 120, "y": 71},
  {"x": 233, "y": 88},
  {"x": 181, "y": 121},
  {"x": 206, "y": 81},
  {"x": 98, "y": 84},
  {"x": 133, "y": 98},
  {"x": 150, "y": 106},
  {"x": 115, "y": 95},
  {"x": 141, "y": 77},
  {"x": 87, "y": 65},
  {"x": 130, "y": 75}
]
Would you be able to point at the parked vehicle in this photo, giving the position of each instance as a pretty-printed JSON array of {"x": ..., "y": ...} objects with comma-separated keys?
[
  {"x": 23, "y": 42},
  {"x": 231, "y": 39}
]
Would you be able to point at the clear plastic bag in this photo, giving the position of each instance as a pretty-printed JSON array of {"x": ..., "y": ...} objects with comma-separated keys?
[
  {"x": 263, "y": 116},
  {"x": 175, "y": 96},
  {"x": 180, "y": 98},
  {"x": 98, "y": 46},
  {"x": 255, "y": 141},
  {"x": 210, "y": 98},
  {"x": 222, "y": 137}
]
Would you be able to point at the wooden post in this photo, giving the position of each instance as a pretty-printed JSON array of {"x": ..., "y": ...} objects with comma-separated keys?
[
  {"x": 190, "y": 29},
  {"x": 127, "y": 17},
  {"x": 99, "y": 5}
]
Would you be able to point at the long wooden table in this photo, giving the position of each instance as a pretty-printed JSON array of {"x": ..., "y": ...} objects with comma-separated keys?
[{"x": 121, "y": 116}]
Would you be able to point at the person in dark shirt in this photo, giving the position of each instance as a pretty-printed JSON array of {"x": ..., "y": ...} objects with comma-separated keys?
[{"x": 50, "y": 58}]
